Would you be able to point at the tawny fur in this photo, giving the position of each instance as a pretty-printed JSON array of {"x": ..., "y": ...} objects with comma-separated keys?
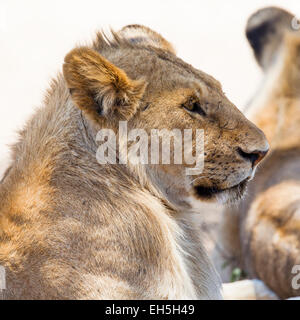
[
  {"x": 71, "y": 228},
  {"x": 263, "y": 233}
]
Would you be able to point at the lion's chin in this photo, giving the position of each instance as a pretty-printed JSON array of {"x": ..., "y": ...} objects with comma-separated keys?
[{"x": 228, "y": 195}]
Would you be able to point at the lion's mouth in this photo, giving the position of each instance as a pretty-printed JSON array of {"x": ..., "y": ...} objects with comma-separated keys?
[{"x": 234, "y": 193}]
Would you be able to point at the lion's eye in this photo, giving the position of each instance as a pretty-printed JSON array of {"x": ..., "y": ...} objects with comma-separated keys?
[
  {"x": 194, "y": 107},
  {"x": 145, "y": 107}
]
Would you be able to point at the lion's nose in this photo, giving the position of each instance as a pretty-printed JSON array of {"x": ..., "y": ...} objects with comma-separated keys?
[{"x": 255, "y": 156}]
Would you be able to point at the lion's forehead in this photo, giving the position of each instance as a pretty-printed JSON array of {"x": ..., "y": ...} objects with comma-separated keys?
[{"x": 162, "y": 70}]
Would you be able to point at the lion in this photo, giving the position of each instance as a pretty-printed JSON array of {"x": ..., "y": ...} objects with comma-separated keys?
[
  {"x": 72, "y": 228},
  {"x": 262, "y": 234}
]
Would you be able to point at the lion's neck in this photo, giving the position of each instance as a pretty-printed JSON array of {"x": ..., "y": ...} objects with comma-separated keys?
[{"x": 281, "y": 87}]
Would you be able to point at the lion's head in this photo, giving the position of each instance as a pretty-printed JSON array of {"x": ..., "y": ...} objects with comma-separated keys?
[
  {"x": 136, "y": 77},
  {"x": 265, "y": 31}
]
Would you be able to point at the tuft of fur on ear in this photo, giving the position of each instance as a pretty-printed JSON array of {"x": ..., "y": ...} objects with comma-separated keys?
[
  {"x": 142, "y": 35},
  {"x": 100, "y": 88}
]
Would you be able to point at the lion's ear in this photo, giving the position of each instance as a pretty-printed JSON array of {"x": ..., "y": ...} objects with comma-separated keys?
[
  {"x": 100, "y": 88},
  {"x": 142, "y": 35}
]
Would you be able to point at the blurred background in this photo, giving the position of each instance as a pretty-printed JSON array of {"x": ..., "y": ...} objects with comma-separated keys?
[{"x": 36, "y": 35}]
